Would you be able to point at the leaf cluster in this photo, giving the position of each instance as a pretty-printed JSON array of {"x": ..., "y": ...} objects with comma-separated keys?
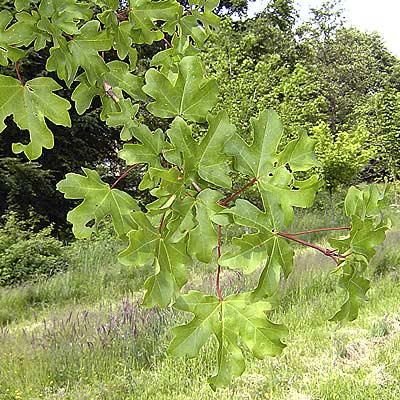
[{"x": 188, "y": 175}]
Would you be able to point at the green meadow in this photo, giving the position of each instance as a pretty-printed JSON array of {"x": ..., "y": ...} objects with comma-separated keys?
[{"x": 82, "y": 334}]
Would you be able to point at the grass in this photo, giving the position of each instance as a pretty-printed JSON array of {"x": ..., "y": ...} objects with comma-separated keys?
[{"x": 82, "y": 335}]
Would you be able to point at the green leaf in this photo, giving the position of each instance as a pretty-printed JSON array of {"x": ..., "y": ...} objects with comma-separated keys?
[
  {"x": 62, "y": 62},
  {"x": 366, "y": 232},
  {"x": 197, "y": 25},
  {"x": 84, "y": 94},
  {"x": 111, "y": 4},
  {"x": 182, "y": 220},
  {"x": 146, "y": 15},
  {"x": 257, "y": 249},
  {"x": 98, "y": 202},
  {"x": 171, "y": 186},
  {"x": 149, "y": 149},
  {"x": 119, "y": 76},
  {"x": 22, "y": 4},
  {"x": 85, "y": 48},
  {"x": 206, "y": 159},
  {"x": 235, "y": 322},
  {"x": 356, "y": 287},
  {"x": 189, "y": 95},
  {"x": 203, "y": 238},
  {"x": 189, "y": 28},
  {"x": 359, "y": 246},
  {"x": 365, "y": 203},
  {"x": 170, "y": 274},
  {"x": 25, "y": 31},
  {"x": 7, "y": 52},
  {"x": 279, "y": 189},
  {"x": 30, "y": 105},
  {"x": 66, "y": 15},
  {"x": 122, "y": 41},
  {"x": 169, "y": 58},
  {"x": 125, "y": 117},
  {"x": 169, "y": 260}
]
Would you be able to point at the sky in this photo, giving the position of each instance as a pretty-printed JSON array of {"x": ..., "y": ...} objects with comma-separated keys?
[{"x": 382, "y": 16}]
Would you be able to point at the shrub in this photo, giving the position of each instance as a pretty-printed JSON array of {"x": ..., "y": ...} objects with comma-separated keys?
[{"x": 26, "y": 254}]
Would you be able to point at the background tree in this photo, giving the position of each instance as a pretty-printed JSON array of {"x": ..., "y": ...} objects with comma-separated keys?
[{"x": 342, "y": 158}]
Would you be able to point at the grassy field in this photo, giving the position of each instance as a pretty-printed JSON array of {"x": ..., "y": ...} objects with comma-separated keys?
[{"x": 82, "y": 335}]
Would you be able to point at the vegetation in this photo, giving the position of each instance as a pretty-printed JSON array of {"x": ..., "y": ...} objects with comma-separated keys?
[
  {"x": 81, "y": 334},
  {"x": 150, "y": 69},
  {"x": 26, "y": 254}
]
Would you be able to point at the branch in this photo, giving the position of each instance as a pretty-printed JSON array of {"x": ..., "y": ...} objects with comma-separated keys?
[
  {"x": 18, "y": 74},
  {"x": 123, "y": 15},
  {"x": 124, "y": 175},
  {"x": 217, "y": 288},
  {"x": 333, "y": 254},
  {"x": 225, "y": 202},
  {"x": 109, "y": 92}
]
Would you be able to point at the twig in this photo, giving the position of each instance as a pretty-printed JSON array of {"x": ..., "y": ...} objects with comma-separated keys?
[
  {"x": 123, "y": 15},
  {"x": 217, "y": 288},
  {"x": 109, "y": 92},
  {"x": 18, "y": 74},
  {"x": 196, "y": 187},
  {"x": 225, "y": 202},
  {"x": 124, "y": 175}
]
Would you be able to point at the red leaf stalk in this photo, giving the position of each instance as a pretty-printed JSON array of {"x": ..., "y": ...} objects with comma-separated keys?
[
  {"x": 333, "y": 254},
  {"x": 160, "y": 227},
  {"x": 225, "y": 202},
  {"x": 167, "y": 42},
  {"x": 217, "y": 287},
  {"x": 131, "y": 168},
  {"x": 18, "y": 74}
]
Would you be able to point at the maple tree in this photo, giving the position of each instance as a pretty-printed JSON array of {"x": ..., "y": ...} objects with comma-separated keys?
[{"x": 188, "y": 177}]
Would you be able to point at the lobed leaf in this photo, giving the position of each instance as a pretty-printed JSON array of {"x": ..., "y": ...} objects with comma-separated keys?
[
  {"x": 279, "y": 189},
  {"x": 99, "y": 201},
  {"x": 189, "y": 95},
  {"x": 30, "y": 104},
  {"x": 207, "y": 159},
  {"x": 235, "y": 322},
  {"x": 169, "y": 260},
  {"x": 368, "y": 231}
]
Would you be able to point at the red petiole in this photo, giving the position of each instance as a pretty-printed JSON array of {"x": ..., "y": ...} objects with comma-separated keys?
[{"x": 131, "y": 168}]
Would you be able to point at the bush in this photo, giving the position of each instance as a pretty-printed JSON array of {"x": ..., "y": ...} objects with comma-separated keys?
[{"x": 26, "y": 254}]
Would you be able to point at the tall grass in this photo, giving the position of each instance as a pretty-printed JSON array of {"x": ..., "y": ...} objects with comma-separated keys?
[{"x": 82, "y": 335}]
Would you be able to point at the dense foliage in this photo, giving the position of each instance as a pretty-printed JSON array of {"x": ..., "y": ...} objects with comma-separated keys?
[{"x": 26, "y": 254}]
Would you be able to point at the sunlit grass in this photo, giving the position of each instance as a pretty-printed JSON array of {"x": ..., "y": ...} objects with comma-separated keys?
[{"x": 82, "y": 335}]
